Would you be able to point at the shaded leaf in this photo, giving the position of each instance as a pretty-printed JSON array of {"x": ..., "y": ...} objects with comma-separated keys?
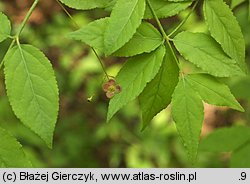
[
  {"x": 240, "y": 157},
  {"x": 11, "y": 151},
  {"x": 5, "y": 27},
  {"x": 235, "y": 3},
  {"x": 158, "y": 93},
  {"x": 225, "y": 139}
]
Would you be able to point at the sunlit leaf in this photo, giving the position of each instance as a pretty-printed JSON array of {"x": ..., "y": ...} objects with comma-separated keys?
[{"x": 32, "y": 90}]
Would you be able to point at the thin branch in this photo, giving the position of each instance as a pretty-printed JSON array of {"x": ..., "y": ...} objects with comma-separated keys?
[
  {"x": 184, "y": 20},
  {"x": 77, "y": 26},
  {"x": 26, "y": 18},
  {"x": 163, "y": 33}
]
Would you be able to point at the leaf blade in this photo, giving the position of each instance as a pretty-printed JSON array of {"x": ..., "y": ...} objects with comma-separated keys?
[
  {"x": 188, "y": 113},
  {"x": 164, "y": 9},
  {"x": 92, "y": 34},
  {"x": 203, "y": 51},
  {"x": 224, "y": 27},
  {"x": 146, "y": 39},
  {"x": 117, "y": 33},
  {"x": 158, "y": 93},
  {"x": 213, "y": 92},
  {"x": 32, "y": 90},
  {"x": 85, "y": 4},
  {"x": 5, "y": 27},
  {"x": 134, "y": 76}
]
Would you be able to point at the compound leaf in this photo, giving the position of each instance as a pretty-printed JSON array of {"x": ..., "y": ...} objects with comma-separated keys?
[
  {"x": 125, "y": 18},
  {"x": 206, "y": 53},
  {"x": 157, "y": 94},
  {"x": 5, "y": 27},
  {"x": 32, "y": 89},
  {"x": 226, "y": 30},
  {"x": 188, "y": 113},
  {"x": 213, "y": 92},
  {"x": 134, "y": 76}
]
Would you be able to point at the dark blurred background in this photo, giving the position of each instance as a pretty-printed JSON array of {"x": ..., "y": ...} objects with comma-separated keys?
[{"x": 82, "y": 137}]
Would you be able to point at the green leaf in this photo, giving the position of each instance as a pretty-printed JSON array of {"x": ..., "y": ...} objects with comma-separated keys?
[
  {"x": 157, "y": 94},
  {"x": 249, "y": 10},
  {"x": 226, "y": 30},
  {"x": 134, "y": 76},
  {"x": 213, "y": 91},
  {"x": 187, "y": 111},
  {"x": 146, "y": 39},
  {"x": 124, "y": 20},
  {"x": 240, "y": 87},
  {"x": 203, "y": 51},
  {"x": 176, "y": 0},
  {"x": 5, "y": 27},
  {"x": 92, "y": 34},
  {"x": 32, "y": 90},
  {"x": 165, "y": 9},
  {"x": 109, "y": 6},
  {"x": 235, "y": 3},
  {"x": 85, "y": 4},
  {"x": 11, "y": 151},
  {"x": 240, "y": 157},
  {"x": 225, "y": 139}
]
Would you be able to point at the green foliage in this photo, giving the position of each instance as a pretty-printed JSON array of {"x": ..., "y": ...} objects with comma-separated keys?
[
  {"x": 151, "y": 73},
  {"x": 235, "y": 139},
  {"x": 187, "y": 110},
  {"x": 32, "y": 89},
  {"x": 203, "y": 51},
  {"x": 240, "y": 157},
  {"x": 146, "y": 39},
  {"x": 165, "y": 9},
  {"x": 11, "y": 152},
  {"x": 129, "y": 14},
  {"x": 212, "y": 91},
  {"x": 5, "y": 27},
  {"x": 226, "y": 139},
  {"x": 134, "y": 76},
  {"x": 226, "y": 30},
  {"x": 235, "y": 3},
  {"x": 92, "y": 34},
  {"x": 86, "y": 4},
  {"x": 157, "y": 94}
]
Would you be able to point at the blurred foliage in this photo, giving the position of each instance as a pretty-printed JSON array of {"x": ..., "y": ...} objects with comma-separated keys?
[{"x": 82, "y": 137}]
